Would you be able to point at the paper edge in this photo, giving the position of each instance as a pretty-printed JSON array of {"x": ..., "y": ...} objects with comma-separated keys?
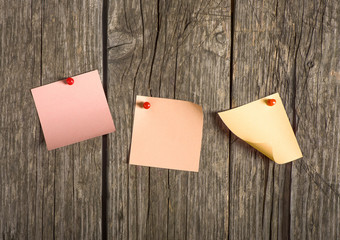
[
  {"x": 133, "y": 123},
  {"x": 41, "y": 126},
  {"x": 248, "y": 142}
]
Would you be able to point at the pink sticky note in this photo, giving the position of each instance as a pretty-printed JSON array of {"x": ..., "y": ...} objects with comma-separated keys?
[
  {"x": 167, "y": 135},
  {"x": 72, "y": 113}
]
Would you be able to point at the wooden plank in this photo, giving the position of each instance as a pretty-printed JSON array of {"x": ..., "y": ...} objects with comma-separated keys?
[
  {"x": 262, "y": 65},
  {"x": 72, "y": 44},
  {"x": 176, "y": 50},
  {"x": 315, "y": 207},
  {"x": 276, "y": 48},
  {"x": 20, "y": 60},
  {"x": 203, "y": 71},
  {"x": 56, "y": 194}
]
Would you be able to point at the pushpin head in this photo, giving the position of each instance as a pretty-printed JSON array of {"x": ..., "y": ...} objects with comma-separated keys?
[
  {"x": 271, "y": 102},
  {"x": 146, "y": 105},
  {"x": 69, "y": 81}
]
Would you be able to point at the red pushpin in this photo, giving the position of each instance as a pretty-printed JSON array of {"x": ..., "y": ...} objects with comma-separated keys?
[
  {"x": 69, "y": 81},
  {"x": 146, "y": 105},
  {"x": 271, "y": 102}
]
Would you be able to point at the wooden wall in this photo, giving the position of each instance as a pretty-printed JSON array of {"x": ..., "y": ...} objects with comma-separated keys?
[{"x": 219, "y": 54}]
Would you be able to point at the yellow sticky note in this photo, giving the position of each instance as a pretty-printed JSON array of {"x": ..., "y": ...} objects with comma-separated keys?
[{"x": 265, "y": 128}]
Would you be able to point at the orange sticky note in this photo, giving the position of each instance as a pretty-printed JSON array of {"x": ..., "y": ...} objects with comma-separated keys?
[
  {"x": 266, "y": 128},
  {"x": 72, "y": 113},
  {"x": 167, "y": 135}
]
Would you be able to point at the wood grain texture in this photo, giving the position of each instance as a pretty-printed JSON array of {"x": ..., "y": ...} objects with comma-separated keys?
[
  {"x": 176, "y": 50},
  {"x": 56, "y": 194},
  {"x": 260, "y": 189},
  {"x": 179, "y": 50},
  {"x": 315, "y": 206},
  {"x": 291, "y": 48},
  {"x": 72, "y": 44},
  {"x": 20, "y": 60}
]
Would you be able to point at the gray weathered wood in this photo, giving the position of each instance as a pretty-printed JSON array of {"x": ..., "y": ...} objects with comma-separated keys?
[
  {"x": 292, "y": 48},
  {"x": 176, "y": 50},
  {"x": 259, "y": 187},
  {"x": 72, "y": 44},
  {"x": 20, "y": 60},
  {"x": 180, "y": 50},
  {"x": 315, "y": 198},
  {"x": 56, "y": 194}
]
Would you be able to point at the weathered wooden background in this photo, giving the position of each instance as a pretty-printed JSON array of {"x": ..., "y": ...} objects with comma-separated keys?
[{"x": 217, "y": 53}]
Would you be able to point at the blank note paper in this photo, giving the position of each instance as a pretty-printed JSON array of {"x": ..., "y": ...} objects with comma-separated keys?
[
  {"x": 167, "y": 135},
  {"x": 72, "y": 113},
  {"x": 266, "y": 128}
]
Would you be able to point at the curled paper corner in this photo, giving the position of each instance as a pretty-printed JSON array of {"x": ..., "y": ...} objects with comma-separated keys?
[
  {"x": 264, "y": 148},
  {"x": 278, "y": 157},
  {"x": 265, "y": 128}
]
